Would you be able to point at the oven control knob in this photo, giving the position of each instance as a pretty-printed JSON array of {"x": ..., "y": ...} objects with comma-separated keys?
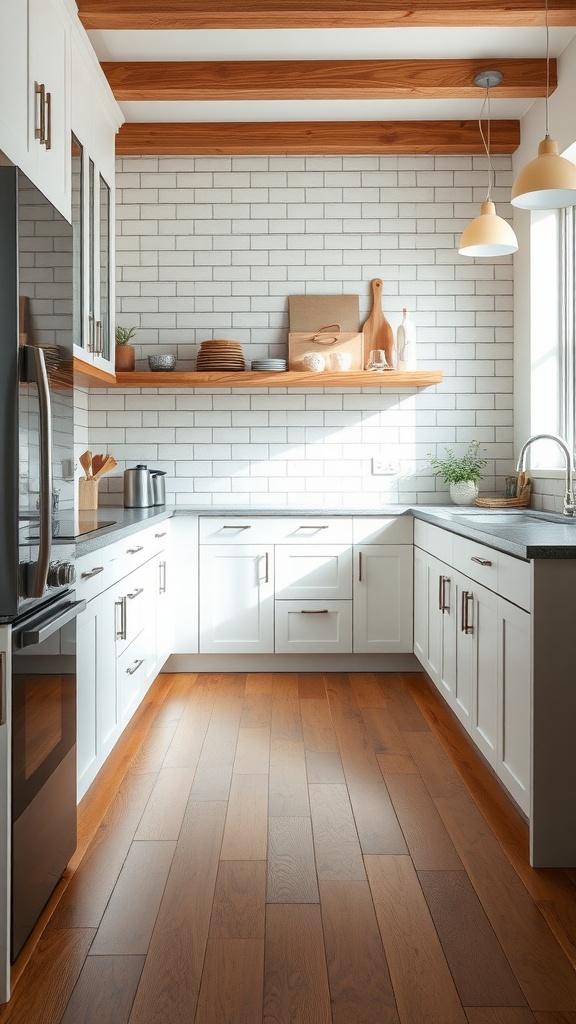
[{"x": 60, "y": 574}]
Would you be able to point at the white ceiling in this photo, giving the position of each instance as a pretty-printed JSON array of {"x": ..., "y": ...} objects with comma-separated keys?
[{"x": 326, "y": 44}]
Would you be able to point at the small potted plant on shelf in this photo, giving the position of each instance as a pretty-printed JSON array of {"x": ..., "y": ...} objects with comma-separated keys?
[
  {"x": 125, "y": 352},
  {"x": 461, "y": 472}
]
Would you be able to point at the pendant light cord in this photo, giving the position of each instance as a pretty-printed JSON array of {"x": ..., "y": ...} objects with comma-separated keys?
[
  {"x": 547, "y": 66},
  {"x": 487, "y": 143}
]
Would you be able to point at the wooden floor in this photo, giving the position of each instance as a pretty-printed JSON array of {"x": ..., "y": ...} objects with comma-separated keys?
[{"x": 300, "y": 849}]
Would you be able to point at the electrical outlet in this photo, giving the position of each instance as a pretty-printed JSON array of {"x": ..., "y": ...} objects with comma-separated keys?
[{"x": 382, "y": 467}]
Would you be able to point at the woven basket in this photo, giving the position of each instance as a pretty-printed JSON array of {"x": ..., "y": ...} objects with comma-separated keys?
[{"x": 522, "y": 501}]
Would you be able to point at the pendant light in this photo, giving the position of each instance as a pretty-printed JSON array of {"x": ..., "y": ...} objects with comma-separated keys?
[
  {"x": 549, "y": 181},
  {"x": 488, "y": 234}
]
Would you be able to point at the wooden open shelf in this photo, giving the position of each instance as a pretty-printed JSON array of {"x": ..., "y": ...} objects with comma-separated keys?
[
  {"x": 287, "y": 379},
  {"x": 87, "y": 376}
]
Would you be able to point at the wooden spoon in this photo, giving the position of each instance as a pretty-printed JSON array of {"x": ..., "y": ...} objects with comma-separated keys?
[
  {"x": 86, "y": 463},
  {"x": 108, "y": 464},
  {"x": 97, "y": 463}
]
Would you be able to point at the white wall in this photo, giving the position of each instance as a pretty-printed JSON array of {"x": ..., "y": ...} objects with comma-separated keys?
[{"x": 213, "y": 247}]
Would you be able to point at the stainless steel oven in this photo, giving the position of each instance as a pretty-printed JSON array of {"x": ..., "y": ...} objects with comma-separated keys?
[{"x": 43, "y": 758}]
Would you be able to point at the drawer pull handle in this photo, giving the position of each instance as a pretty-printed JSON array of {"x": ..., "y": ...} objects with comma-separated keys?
[
  {"x": 135, "y": 593},
  {"x": 158, "y": 535},
  {"x": 442, "y": 606},
  {"x": 325, "y": 527},
  {"x": 467, "y": 626},
  {"x": 313, "y": 611},
  {"x": 89, "y": 575},
  {"x": 235, "y": 527},
  {"x": 359, "y": 567},
  {"x": 480, "y": 561},
  {"x": 121, "y": 629},
  {"x": 40, "y": 132},
  {"x": 136, "y": 666},
  {"x": 162, "y": 581},
  {"x": 134, "y": 551}
]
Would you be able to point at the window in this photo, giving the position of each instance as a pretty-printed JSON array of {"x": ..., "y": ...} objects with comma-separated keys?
[{"x": 568, "y": 325}]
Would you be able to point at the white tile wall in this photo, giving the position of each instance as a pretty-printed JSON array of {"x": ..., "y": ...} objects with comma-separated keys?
[{"x": 212, "y": 247}]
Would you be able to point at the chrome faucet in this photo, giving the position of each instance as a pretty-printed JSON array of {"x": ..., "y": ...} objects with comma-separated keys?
[{"x": 569, "y": 497}]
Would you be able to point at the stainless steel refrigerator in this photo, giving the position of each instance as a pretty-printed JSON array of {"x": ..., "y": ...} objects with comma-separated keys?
[{"x": 37, "y": 599}]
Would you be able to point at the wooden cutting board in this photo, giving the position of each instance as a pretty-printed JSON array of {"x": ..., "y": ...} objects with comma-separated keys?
[{"x": 377, "y": 331}]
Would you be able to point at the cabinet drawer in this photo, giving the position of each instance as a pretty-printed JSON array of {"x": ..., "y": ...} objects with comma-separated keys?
[
  {"x": 132, "y": 606},
  {"x": 436, "y": 541},
  {"x": 505, "y": 575},
  {"x": 313, "y": 572},
  {"x": 93, "y": 574},
  {"x": 275, "y": 530},
  {"x": 383, "y": 530},
  {"x": 131, "y": 675},
  {"x": 313, "y": 627}
]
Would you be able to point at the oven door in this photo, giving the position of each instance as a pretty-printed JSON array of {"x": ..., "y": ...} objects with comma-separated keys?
[{"x": 43, "y": 760}]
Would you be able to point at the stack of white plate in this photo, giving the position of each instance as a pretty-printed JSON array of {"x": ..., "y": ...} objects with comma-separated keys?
[{"x": 270, "y": 365}]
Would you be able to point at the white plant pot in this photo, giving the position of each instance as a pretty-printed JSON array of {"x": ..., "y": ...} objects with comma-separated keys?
[{"x": 464, "y": 493}]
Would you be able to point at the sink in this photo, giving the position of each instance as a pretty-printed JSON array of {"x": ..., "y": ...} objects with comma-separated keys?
[{"x": 498, "y": 518}]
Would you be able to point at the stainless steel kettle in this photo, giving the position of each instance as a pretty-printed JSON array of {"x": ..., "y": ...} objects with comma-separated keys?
[
  {"x": 138, "y": 491},
  {"x": 158, "y": 486}
]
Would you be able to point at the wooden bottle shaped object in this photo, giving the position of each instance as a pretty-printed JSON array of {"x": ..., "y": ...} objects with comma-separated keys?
[{"x": 377, "y": 331}]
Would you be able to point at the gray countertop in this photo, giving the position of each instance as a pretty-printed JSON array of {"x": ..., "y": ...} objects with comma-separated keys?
[{"x": 522, "y": 533}]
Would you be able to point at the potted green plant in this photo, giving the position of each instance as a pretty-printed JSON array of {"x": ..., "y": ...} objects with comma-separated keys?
[
  {"x": 125, "y": 352},
  {"x": 461, "y": 472}
]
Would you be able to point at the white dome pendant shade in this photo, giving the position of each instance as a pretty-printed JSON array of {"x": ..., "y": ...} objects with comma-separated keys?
[
  {"x": 549, "y": 181},
  {"x": 488, "y": 235},
  {"x": 546, "y": 183}
]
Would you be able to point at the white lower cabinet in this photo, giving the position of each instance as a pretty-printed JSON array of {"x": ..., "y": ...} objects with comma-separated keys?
[
  {"x": 237, "y": 599},
  {"x": 383, "y": 598},
  {"x": 313, "y": 627},
  {"x": 97, "y": 701},
  {"x": 475, "y": 645},
  {"x": 131, "y": 670}
]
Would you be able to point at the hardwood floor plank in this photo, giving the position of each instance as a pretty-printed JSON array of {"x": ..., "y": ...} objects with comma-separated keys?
[
  {"x": 358, "y": 976},
  {"x": 246, "y": 831},
  {"x": 376, "y": 822},
  {"x": 291, "y": 863},
  {"x": 428, "y": 842},
  {"x": 338, "y": 853},
  {"x": 422, "y": 982},
  {"x": 89, "y": 891},
  {"x": 239, "y": 900},
  {"x": 41, "y": 995},
  {"x": 499, "y": 1015},
  {"x": 318, "y": 727},
  {"x": 231, "y": 991},
  {"x": 388, "y": 742},
  {"x": 311, "y": 686},
  {"x": 170, "y": 982},
  {"x": 544, "y": 973},
  {"x": 403, "y": 707},
  {"x": 288, "y": 793},
  {"x": 214, "y": 771},
  {"x": 105, "y": 990},
  {"x": 164, "y": 812},
  {"x": 153, "y": 750},
  {"x": 252, "y": 751},
  {"x": 259, "y": 683},
  {"x": 129, "y": 919},
  {"x": 555, "y": 1017},
  {"x": 435, "y": 767},
  {"x": 286, "y": 723},
  {"x": 324, "y": 766},
  {"x": 368, "y": 690},
  {"x": 256, "y": 710},
  {"x": 358, "y": 757},
  {"x": 481, "y": 972},
  {"x": 295, "y": 978},
  {"x": 186, "y": 746}
]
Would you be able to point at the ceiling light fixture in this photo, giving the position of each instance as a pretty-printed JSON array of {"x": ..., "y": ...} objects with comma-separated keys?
[
  {"x": 488, "y": 234},
  {"x": 549, "y": 181}
]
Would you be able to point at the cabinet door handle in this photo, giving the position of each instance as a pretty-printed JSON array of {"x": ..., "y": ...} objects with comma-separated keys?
[
  {"x": 134, "y": 551},
  {"x": 48, "y": 136},
  {"x": 135, "y": 593},
  {"x": 94, "y": 572},
  {"x": 40, "y": 131},
  {"x": 325, "y": 527},
  {"x": 121, "y": 629},
  {"x": 313, "y": 611},
  {"x": 162, "y": 580},
  {"x": 2, "y": 687},
  {"x": 359, "y": 567},
  {"x": 480, "y": 561},
  {"x": 442, "y": 581},
  {"x": 467, "y": 626},
  {"x": 136, "y": 666},
  {"x": 235, "y": 527}
]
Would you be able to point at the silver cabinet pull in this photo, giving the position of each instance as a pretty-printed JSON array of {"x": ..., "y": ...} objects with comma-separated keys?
[
  {"x": 442, "y": 581},
  {"x": 2, "y": 687},
  {"x": 267, "y": 576},
  {"x": 121, "y": 629},
  {"x": 313, "y": 611},
  {"x": 136, "y": 666},
  {"x": 235, "y": 527},
  {"x": 162, "y": 578},
  {"x": 467, "y": 626},
  {"x": 134, "y": 551},
  {"x": 359, "y": 567},
  {"x": 135, "y": 593},
  {"x": 325, "y": 527},
  {"x": 158, "y": 535},
  {"x": 94, "y": 572},
  {"x": 40, "y": 130},
  {"x": 480, "y": 561}
]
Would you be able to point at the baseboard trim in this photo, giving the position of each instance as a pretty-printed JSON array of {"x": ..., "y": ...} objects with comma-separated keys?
[{"x": 292, "y": 663}]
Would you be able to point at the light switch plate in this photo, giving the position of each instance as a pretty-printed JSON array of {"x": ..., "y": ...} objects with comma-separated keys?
[{"x": 383, "y": 467}]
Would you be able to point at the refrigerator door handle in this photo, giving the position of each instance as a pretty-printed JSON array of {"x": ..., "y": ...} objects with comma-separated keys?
[{"x": 35, "y": 373}]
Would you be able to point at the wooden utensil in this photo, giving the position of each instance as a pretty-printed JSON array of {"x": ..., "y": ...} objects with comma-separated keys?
[
  {"x": 86, "y": 463},
  {"x": 108, "y": 463},
  {"x": 377, "y": 331}
]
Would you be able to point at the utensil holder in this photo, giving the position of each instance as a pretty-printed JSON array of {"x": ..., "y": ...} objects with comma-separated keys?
[{"x": 87, "y": 494}]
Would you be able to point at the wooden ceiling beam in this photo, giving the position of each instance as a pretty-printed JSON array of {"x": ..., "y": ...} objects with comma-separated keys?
[
  {"x": 252, "y": 14},
  {"x": 313, "y": 137},
  {"x": 323, "y": 79}
]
